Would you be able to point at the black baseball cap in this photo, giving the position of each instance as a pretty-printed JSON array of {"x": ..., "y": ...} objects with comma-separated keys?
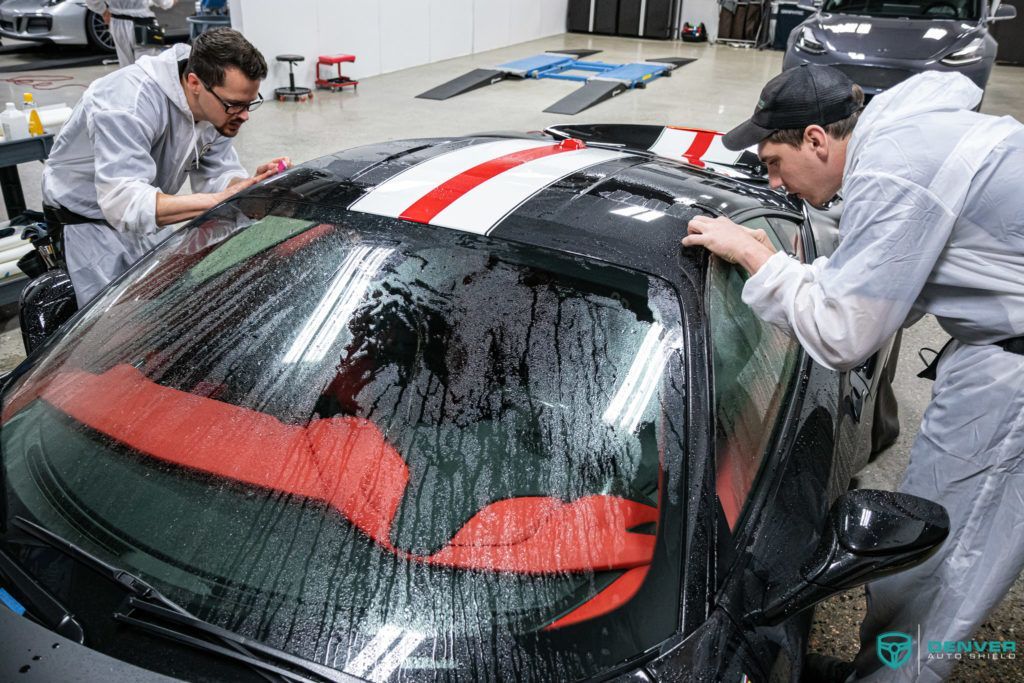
[{"x": 803, "y": 96}]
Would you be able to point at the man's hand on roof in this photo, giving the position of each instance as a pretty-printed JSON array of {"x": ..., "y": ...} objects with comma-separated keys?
[
  {"x": 732, "y": 242},
  {"x": 264, "y": 171},
  {"x": 276, "y": 165}
]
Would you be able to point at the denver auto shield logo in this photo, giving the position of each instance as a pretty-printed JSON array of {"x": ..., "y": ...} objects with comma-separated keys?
[{"x": 894, "y": 648}]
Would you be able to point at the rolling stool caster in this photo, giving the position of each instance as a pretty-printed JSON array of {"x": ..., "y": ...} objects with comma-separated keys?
[{"x": 291, "y": 93}]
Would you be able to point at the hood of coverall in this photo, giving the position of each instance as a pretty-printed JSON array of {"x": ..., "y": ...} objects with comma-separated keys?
[
  {"x": 927, "y": 92},
  {"x": 163, "y": 69}
]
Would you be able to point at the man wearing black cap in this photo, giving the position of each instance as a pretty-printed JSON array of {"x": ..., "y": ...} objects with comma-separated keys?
[{"x": 933, "y": 222}]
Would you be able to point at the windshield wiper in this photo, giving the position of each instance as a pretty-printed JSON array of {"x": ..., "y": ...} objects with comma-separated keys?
[
  {"x": 45, "y": 607},
  {"x": 126, "y": 580},
  {"x": 179, "y": 624},
  {"x": 146, "y": 598}
]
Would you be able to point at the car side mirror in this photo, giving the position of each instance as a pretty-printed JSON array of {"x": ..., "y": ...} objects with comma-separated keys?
[
  {"x": 47, "y": 302},
  {"x": 1004, "y": 12},
  {"x": 869, "y": 534},
  {"x": 809, "y": 5}
]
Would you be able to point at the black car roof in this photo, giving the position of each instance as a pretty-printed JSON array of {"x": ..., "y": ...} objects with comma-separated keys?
[{"x": 631, "y": 209}]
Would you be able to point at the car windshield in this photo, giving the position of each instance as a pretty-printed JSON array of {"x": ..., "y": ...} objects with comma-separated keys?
[
  {"x": 914, "y": 9},
  {"x": 394, "y": 449}
]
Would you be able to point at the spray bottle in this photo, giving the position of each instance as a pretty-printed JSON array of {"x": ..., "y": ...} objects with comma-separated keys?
[{"x": 35, "y": 125}]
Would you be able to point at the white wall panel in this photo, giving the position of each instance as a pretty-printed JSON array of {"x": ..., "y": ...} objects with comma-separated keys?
[
  {"x": 451, "y": 29},
  {"x": 386, "y": 35},
  {"x": 523, "y": 21},
  {"x": 272, "y": 36},
  {"x": 235, "y": 8},
  {"x": 490, "y": 24},
  {"x": 404, "y": 34},
  {"x": 552, "y": 17},
  {"x": 351, "y": 27}
]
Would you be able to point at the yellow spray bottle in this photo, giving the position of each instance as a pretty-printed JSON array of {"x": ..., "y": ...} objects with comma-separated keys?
[{"x": 35, "y": 125}]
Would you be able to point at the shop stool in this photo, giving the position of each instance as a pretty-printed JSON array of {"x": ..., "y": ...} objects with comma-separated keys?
[
  {"x": 291, "y": 93},
  {"x": 338, "y": 82}
]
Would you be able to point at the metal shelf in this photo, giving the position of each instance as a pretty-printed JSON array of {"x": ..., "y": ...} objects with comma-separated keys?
[{"x": 27, "y": 149}]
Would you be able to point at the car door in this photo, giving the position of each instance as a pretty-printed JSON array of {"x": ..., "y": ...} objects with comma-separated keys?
[
  {"x": 777, "y": 466},
  {"x": 754, "y": 368}
]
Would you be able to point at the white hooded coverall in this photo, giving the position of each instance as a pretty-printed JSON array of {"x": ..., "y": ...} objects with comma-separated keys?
[
  {"x": 131, "y": 135},
  {"x": 933, "y": 222},
  {"x": 123, "y": 30}
]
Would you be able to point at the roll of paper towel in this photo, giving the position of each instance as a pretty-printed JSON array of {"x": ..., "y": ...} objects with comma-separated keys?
[{"x": 53, "y": 115}]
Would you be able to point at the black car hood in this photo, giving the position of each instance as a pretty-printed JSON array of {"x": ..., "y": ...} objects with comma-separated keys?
[{"x": 875, "y": 37}]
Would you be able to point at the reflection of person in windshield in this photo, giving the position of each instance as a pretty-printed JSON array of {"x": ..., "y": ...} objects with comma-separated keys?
[{"x": 932, "y": 206}]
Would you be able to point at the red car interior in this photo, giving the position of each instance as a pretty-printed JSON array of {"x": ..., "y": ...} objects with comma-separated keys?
[{"x": 348, "y": 464}]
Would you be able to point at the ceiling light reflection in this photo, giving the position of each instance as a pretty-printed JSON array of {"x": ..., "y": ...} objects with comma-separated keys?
[
  {"x": 628, "y": 405},
  {"x": 335, "y": 308}
]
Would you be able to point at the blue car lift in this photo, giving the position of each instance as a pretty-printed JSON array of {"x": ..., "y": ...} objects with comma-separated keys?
[{"x": 601, "y": 81}]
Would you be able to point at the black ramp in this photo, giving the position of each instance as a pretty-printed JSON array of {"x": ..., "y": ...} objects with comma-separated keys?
[
  {"x": 674, "y": 62},
  {"x": 593, "y": 92},
  {"x": 578, "y": 54},
  {"x": 477, "y": 78}
]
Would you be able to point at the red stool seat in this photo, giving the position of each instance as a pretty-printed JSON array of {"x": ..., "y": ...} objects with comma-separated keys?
[{"x": 338, "y": 82}]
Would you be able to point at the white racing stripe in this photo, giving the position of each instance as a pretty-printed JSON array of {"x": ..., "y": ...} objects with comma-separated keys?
[
  {"x": 439, "y": 191},
  {"x": 673, "y": 143},
  {"x": 396, "y": 194},
  {"x": 482, "y": 208}
]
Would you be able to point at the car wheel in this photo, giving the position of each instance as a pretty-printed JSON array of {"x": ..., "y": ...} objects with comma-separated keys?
[{"x": 98, "y": 32}]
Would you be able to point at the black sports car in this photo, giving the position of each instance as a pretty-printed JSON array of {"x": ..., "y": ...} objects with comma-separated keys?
[{"x": 457, "y": 409}]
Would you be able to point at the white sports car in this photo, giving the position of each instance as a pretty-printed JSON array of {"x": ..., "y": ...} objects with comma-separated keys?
[{"x": 69, "y": 22}]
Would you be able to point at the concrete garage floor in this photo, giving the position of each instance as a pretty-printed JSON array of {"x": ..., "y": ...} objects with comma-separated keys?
[{"x": 717, "y": 91}]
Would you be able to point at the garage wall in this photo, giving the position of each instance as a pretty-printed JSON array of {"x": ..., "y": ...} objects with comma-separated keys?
[{"x": 388, "y": 35}]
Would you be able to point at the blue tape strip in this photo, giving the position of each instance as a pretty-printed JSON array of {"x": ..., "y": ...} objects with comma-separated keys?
[{"x": 9, "y": 600}]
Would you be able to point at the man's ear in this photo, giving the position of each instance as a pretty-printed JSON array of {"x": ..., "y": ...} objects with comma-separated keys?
[
  {"x": 816, "y": 137},
  {"x": 192, "y": 81}
]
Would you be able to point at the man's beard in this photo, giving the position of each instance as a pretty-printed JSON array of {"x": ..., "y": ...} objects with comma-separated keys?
[{"x": 229, "y": 129}]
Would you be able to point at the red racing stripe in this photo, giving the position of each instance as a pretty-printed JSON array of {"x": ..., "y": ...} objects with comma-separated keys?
[
  {"x": 699, "y": 147},
  {"x": 442, "y": 196}
]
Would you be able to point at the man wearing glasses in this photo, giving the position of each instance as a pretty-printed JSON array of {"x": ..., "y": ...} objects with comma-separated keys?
[{"x": 116, "y": 166}]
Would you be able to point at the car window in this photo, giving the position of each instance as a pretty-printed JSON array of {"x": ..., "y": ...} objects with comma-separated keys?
[
  {"x": 753, "y": 366},
  {"x": 318, "y": 429},
  {"x": 789, "y": 236}
]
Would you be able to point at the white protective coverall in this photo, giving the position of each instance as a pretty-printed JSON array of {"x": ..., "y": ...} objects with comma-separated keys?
[
  {"x": 933, "y": 222},
  {"x": 131, "y": 135},
  {"x": 123, "y": 30}
]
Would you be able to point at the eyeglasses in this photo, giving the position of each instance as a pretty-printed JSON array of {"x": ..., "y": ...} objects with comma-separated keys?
[{"x": 232, "y": 108}]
